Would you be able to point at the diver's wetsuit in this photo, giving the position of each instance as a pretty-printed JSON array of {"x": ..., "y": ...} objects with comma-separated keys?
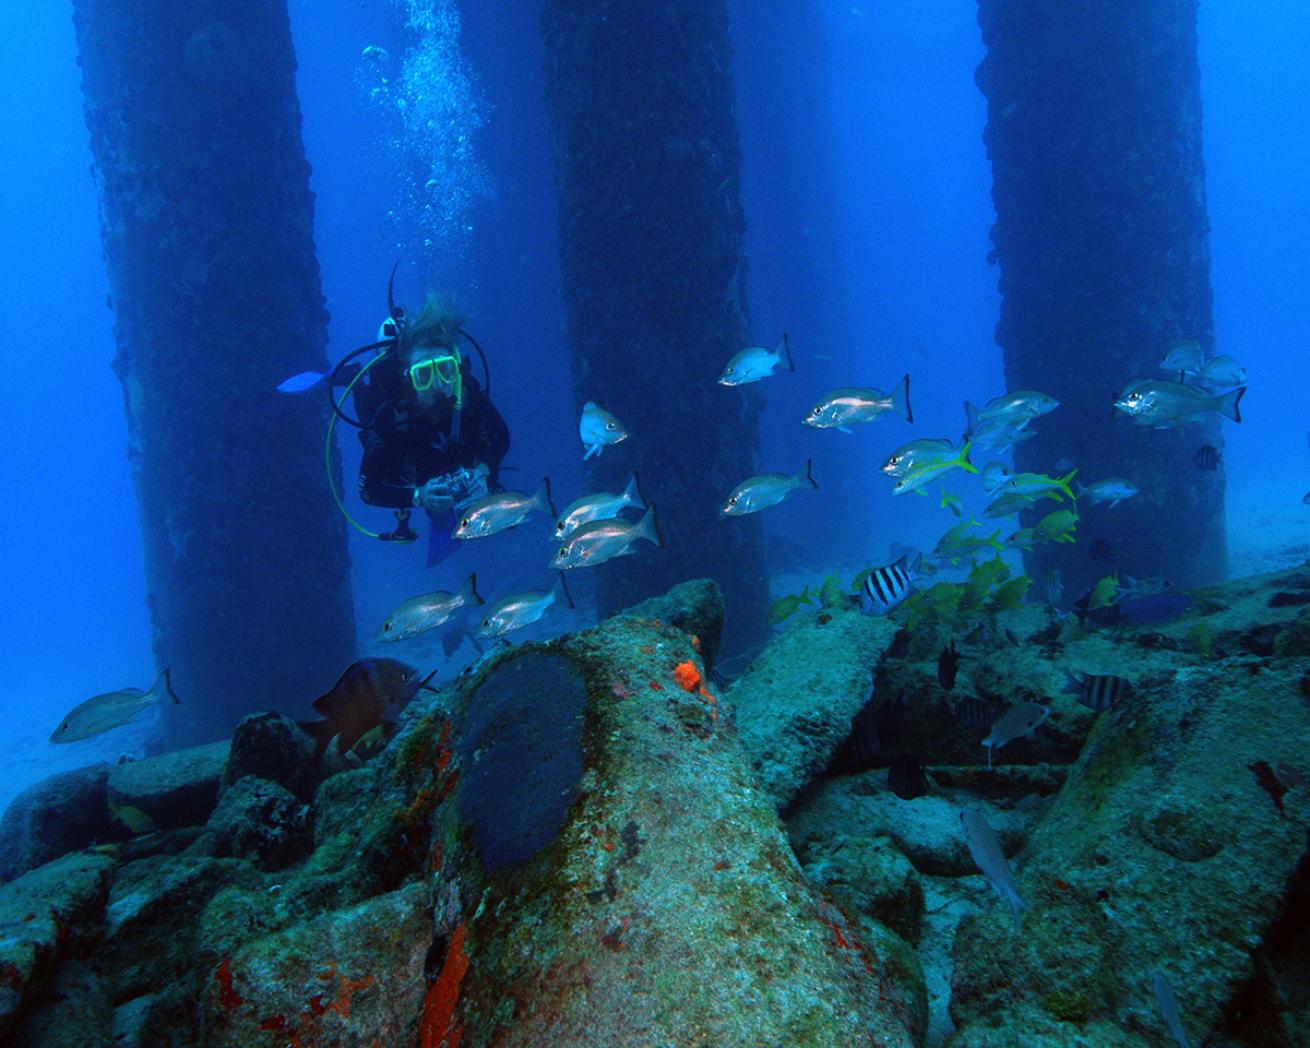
[{"x": 406, "y": 445}]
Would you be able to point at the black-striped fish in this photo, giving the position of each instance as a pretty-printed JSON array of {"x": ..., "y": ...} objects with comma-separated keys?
[
  {"x": 1207, "y": 457},
  {"x": 886, "y": 587},
  {"x": 1096, "y": 691}
]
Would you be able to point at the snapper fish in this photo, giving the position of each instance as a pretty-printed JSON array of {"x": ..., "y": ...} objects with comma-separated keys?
[
  {"x": 599, "y": 429},
  {"x": 957, "y": 543},
  {"x": 994, "y": 476},
  {"x": 505, "y": 509},
  {"x": 1057, "y": 526},
  {"x": 600, "y": 506},
  {"x": 884, "y": 588},
  {"x": 601, "y": 540},
  {"x": 113, "y": 709},
  {"x": 843, "y": 408},
  {"x": 361, "y": 700},
  {"x": 917, "y": 454},
  {"x": 428, "y": 611},
  {"x": 522, "y": 609},
  {"x": 768, "y": 489},
  {"x": 1219, "y": 373},
  {"x": 756, "y": 362},
  {"x": 1035, "y": 484},
  {"x": 1019, "y": 720},
  {"x": 1009, "y": 410},
  {"x": 1112, "y": 491},
  {"x": 991, "y": 862},
  {"x": 933, "y": 467},
  {"x": 1162, "y": 404},
  {"x": 1184, "y": 356}
]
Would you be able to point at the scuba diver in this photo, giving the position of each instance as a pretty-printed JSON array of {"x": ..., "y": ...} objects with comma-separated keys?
[{"x": 432, "y": 438}]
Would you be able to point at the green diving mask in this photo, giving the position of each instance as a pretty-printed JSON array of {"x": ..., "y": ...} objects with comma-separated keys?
[{"x": 440, "y": 369}]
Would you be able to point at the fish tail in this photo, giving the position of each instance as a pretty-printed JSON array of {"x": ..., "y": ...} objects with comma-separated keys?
[
  {"x": 785, "y": 345},
  {"x": 1227, "y": 404},
  {"x": 542, "y": 498},
  {"x": 995, "y": 541},
  {"x": 649, "y": 528},
  {"x": 901, "y": 399},
  {"x": 563, "y": 587},
  {"x": 1064, "y": 484},
  {"x": 167, "y": 681},
  {"x": 809, "y": 475},
  {"x": 632, "y": 494},
  {"x": 963, "y": 457},
  {"x": 970, "y": 419},
  {"x": 470, "y": 590}
]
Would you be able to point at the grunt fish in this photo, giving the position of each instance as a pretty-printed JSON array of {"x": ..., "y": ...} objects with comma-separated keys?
[
  {"x": 100, "y": 713},
  {"x": 420, "y": 614},
  {"x": 849, "y": 405},
  {"x": 602, "y": 540},
  {"x": 1168, "y": 1001},
  {"x": 932, "y": 468},
  {"x": 505, "y": 509},
  {"x": 1019, "y": 720},
  {"x": 1184, "y": 356},
  {"x": 1160, "y": 403},
  {"x": 1112, "y": 490},
  {"x": 917, "y": 453},
  {"x": 991, "y": 861},
  {"x": 600, "y": 506},
  {"x": 522, "y": 609},
  {"x": 756, "y": 362},
  {"x": 765, "y": 490}
]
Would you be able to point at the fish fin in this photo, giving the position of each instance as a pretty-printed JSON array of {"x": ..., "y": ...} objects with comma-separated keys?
[
  {"x": 441, "y": 538},
  {"x": 469, "y": 591},
  {"x": 321, "y": 703},
  {"x": 564, "y": 586},
  {"x": 648, "y": 527},
  {"x": 963, "y": 457},
  {"x": 785, "y": 343},
  {"x": 844, "y": 429},
  {"x": 809, "y": 475},
  {"x": 321, "y": 732},
  {"x": 632, "y": 494},
  {"x": 166, "y": 679},
  {"x": 301, "y": 383},
  {"x": 592, "y": 449},
  {"x": 1227, "y": 404},
  {"x": 901, "y": 399},
  {"x": 970, "y": 419},
  {"x": 542, "y": 498}
]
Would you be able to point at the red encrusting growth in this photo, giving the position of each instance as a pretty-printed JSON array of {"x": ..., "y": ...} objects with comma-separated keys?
[
  {"x": 227, "y": 994},
  {"x": 690, "y": 680},
  {"x": 438, "y": 1028}
]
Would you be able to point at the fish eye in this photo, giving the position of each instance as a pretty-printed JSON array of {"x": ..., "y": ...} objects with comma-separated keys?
[
  {"x": 464, "y": 523},
  {"x": 564, "y": 551},
  {"x": 611, "y": 424},
  {"x": 386, "y": 627}
]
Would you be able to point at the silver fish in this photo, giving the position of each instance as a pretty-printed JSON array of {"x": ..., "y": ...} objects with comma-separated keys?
[
  {"x": 428, "y": 611},
  {"x": 842, "y": 408},
  {"x": 1184, "y": 356},
  {"x": 1009, "y": 409},
  {"x": 600, "y": 506},
  {"x": 994, "y": 475},
  {"x": 1111, "y": 490},
  {"x": 1220, "y": 373},
  {"x": 522, "y": 609},
  {"x": 1019, "y": 720},
  {"x": 1135, "y": 589},
  {"x": 756, "y": 362},
  {"x": 916, "y": 454},
  {"x": 932, "y": 468},
  {"x": 602, "y": 540},
  {"x": 991, "y": 861},
  {"x": 1168, "y": 1001},
  {"x": 113, "y": 709},
  {"x": 1161, "y": 403},
  {"x": 768, "y": 489},
  {"x": 505, "y": 509},
  {"x": 599, "y": 430}
]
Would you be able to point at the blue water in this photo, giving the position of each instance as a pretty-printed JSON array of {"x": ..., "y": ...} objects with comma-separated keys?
[{"x": 881, "y": 271}]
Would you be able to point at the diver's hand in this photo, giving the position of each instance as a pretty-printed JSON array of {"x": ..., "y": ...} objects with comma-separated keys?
[
  {"x": 474, "y": 486},
  {"x": 435, "y": 496}
]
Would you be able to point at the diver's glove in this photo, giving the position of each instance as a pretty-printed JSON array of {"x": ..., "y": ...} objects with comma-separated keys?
[
  {"x": 473, "y": 484},
  {"x": 437, "y": 495}
]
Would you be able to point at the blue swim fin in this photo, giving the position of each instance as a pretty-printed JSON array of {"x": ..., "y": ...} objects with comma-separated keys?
[{"x": 441, "y": 540}]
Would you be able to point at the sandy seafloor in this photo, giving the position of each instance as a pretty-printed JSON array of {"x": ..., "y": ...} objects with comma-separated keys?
[{"x": 1268, "y": 530}]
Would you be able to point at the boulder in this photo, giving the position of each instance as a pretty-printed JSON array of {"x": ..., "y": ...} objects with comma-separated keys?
[
  {"x": 609, "y": 871},
  {"x": 795, "y": 704},
  {"x": 174, "y": 789},
  {"x": 259, "y": 820},
  {"x": 57, "y": 815},
  {"x": 45, "y": 915},
  {"x": 270, "y": 746},
  {"x": 869, "y": 876},
  {"x": 73, "y": 1012},
  {"x": 1170, "y": 850},
  {"x": 347, "y": 977}
]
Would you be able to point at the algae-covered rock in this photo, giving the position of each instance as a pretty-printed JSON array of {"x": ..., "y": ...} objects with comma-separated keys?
[
  {"x": 647, "y": 896},
  {"x": 348, "y": 977},
  {"x": 695, "y": 607},
  {"x": 1169, "y": 850},
  {"x": 271, "y": 746},
  {"x": 45, "y": 915},
  {"x": 73, "y": 1012},
  {"x": 795, "y": 704},
  {"x": 259, "y": 820},
  {"x": 57, "y": 815},
  {"x": 175, "y": 789},
  {"x": 870, "y": 876}
]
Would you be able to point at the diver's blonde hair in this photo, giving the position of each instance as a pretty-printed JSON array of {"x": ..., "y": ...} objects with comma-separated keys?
[{"x": 438, "y": 324}]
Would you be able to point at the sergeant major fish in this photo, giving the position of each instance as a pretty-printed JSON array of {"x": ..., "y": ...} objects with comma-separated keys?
[
  {"x": 600, "y": 506},
  {"x": 601, "y": 540},
  {"x": 849, "y": 405},
  {"x": 884, "y": 588},
  {"x": 113, "y": 709},
  {"x": 420, "y": 614},
  {"x": 1096, "y": 691},
  {"x": 599, "y": 429},
  {"x": 756, "y": 362},
  {"x": 505, "y": 509},
  {"x": 990, "y": 860},
  {"x": 765, "y": 490},
  {"x": 522, "y": 609}
]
